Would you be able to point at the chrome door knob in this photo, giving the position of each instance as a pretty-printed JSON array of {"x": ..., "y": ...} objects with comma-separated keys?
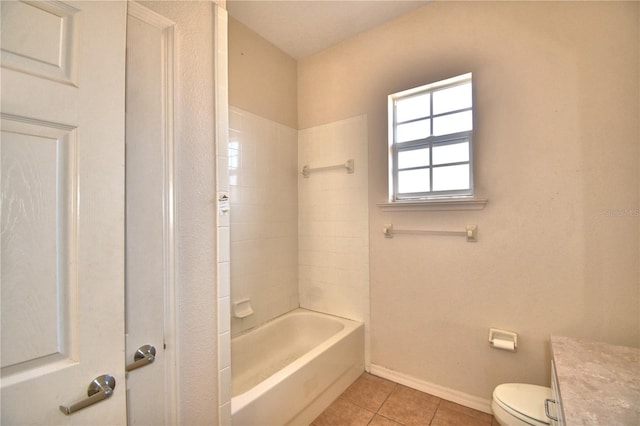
[
  {"x": 145, "y": 355},
  {"x": 99, "y": 389}
]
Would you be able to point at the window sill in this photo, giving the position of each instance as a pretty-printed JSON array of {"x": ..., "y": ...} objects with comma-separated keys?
[{"x": 435, "y": 205}]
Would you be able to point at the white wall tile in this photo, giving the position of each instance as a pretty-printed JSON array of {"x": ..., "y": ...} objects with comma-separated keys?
[
  {"x": 224, "y": 385},
  {"x": 224, "y": 315},
  {"x": 224, "y": 280},
  {"x": 224, "y": 356},
  {"x": 223, "y": 178},
  {"x": 223, "y": 244},
  {"x": 225, "y": 414}
]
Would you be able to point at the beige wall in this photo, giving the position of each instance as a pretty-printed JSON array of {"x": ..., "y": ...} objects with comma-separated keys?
[
  {"x": 262, "y": 78},
  {"x": 556, "y": 153}
]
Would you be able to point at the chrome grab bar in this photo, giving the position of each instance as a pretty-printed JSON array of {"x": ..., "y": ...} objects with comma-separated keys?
[
  {"x": 306, "y": 170},
  {"x": 99, "y": 389},
  {"x": 546, "y": 409},
  {"x": 144, "y": 355}
]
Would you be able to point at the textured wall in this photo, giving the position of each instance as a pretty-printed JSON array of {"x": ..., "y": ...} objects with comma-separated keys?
[
  {"x": 556, "y": 153},
  {"x": 195, "y": 197}
]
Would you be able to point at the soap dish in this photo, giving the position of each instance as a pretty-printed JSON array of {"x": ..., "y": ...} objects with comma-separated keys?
[{"x": 242, "y": 308}]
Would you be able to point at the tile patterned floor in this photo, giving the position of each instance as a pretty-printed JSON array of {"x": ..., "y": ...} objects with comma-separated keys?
[{"x": 375, "y": 401}]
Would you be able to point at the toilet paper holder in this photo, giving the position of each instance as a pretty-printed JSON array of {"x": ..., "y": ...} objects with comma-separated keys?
[{"x": 503, "y": 339}]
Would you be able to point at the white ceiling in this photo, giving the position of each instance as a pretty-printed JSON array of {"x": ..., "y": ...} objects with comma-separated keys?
[{"x": 304, "y": 27}]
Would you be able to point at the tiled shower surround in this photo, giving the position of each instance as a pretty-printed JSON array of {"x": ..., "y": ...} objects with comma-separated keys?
[
  {"x": 264, "y": 217},
  {"x": 334, "y": 227},
  {"x": 298, "y": 241}
]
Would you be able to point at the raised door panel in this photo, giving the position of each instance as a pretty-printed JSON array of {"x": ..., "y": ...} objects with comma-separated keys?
[
  {"x": 39, "y": 221},
  {"x": 40, "y": 38}
]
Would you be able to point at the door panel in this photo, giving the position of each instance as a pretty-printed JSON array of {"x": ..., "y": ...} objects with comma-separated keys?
[
  {"x": 62, "y": 224},
  {"x": 40, "y": 221},
  {"x": 41, "y": 38}
]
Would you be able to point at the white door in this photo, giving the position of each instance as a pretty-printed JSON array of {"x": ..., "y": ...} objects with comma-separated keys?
[
  {"x": 149, "y": 219},
  {"x": 62, "y": 258}
]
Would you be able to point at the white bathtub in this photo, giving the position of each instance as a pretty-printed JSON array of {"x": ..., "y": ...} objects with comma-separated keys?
[{"x": 289, "y": 370}]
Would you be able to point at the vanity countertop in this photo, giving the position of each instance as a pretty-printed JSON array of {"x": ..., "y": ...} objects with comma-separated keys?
[{"x": 598, "y": 383}]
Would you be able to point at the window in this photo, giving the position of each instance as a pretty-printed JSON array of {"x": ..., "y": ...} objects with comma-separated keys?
[{"x": 430, "y": 132}]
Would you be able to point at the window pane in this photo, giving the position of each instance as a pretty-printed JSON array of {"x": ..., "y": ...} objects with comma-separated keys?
[
  {"x": 452, "y": 99},
  {"x": 413, "y": 181},
  {"x": 413, "y": 158},
  {"x": 452, "y": 153},
  {"x": 413, "y": 107},
  {"x": 451, "y": 178},
  {"x": 453, "y": 123},
  {"x": 412, "y": 131}
]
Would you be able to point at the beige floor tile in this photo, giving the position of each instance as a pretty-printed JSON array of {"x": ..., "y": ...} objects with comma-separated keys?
[
  {"x": 451, "y": 414},
  {"x": 375, "y": 401},
  {"x": 344, "y": 413},
  {"x": 369, "y": 391},
  {"x": 409, "y": 406}
]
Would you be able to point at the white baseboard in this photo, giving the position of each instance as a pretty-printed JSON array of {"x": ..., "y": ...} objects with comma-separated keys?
[{"x": 452, "y": 395}]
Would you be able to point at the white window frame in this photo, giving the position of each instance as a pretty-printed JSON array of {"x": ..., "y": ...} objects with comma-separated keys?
[{"x": 430, "y": 142}]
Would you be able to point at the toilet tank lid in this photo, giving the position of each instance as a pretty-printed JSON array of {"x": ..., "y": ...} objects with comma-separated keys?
[{"x": 526, "y": 399}]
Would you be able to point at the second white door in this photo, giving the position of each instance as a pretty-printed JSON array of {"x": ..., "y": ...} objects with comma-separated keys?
[{"x": 151, "y": 398}]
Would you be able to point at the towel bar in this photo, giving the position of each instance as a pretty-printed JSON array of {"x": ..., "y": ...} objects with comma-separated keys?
[{"x": 470, "y": 232}]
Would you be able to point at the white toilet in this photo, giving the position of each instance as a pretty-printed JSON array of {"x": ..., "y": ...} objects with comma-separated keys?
[{"x": 520, "y": 404}]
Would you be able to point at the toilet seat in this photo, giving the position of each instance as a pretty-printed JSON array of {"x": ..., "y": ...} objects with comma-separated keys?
[{"x": 522, "y": 401}]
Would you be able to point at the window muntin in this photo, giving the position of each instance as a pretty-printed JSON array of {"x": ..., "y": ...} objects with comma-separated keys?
[{"x": 430, "y": 140}]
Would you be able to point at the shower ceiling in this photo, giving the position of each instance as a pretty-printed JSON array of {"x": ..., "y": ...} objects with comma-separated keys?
[{"x": 304, "y": 27}]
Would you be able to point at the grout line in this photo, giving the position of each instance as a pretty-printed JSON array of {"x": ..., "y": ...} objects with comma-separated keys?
[
  {"x": 436, "y": 411},
  {"x": 395, "y": 386},
  {"x": 376, "y": 413},
  {"x": 385, "y": 417}
]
